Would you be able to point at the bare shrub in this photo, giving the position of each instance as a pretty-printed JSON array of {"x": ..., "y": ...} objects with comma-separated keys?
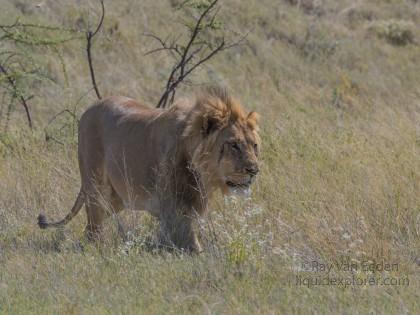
[{"x": 205, "y": 39}]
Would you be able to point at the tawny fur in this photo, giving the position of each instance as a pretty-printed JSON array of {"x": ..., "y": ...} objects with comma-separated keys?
[{"x": 167, "y": 162}]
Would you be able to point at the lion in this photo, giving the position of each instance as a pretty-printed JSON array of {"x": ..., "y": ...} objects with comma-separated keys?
[{"x": 168, "y": 162}]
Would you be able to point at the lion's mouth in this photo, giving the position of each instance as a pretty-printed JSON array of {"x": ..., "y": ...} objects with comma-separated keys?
[{"x": 238, "y": 185}]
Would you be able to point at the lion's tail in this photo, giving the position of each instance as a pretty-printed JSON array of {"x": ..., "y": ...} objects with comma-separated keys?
[{"x": 42, "y": 220}]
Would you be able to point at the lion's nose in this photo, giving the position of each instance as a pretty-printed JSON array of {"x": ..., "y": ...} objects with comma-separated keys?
[{"x": 253, "y": 170}]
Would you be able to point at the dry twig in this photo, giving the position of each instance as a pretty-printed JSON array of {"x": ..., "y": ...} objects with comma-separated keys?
[{"x": 89, "y": 37}]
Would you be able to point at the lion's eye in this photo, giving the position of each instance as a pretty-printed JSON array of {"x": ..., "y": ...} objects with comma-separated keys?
[{"x": 235, "y": 146}]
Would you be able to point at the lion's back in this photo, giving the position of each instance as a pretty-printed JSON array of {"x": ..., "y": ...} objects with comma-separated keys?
[{"x": 119, "y": 133}]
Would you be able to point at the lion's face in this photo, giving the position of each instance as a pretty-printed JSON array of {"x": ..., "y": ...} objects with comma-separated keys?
[
  {"x": 237, "y": 150},
  {"x": 232, "y": 153},
  {"x": 224, "y": 143}
]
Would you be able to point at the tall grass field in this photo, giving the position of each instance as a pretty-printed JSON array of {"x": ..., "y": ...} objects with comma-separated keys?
[{"x": 332, "y": 225}]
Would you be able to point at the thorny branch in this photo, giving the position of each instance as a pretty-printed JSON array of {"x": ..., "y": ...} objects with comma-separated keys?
[{"x": 16, "y": 93}]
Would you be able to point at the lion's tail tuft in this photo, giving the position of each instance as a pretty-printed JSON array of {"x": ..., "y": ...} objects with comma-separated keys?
[{"x": 42, "y": 219}]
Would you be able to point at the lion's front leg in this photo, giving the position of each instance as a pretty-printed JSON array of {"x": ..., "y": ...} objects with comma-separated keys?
[{"x": 176, "y": 230}]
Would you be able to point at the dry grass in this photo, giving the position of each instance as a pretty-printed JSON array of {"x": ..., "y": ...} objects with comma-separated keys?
[{"x": 340, "y": 176}]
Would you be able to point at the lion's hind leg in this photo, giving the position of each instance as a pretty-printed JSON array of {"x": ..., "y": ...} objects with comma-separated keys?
[
  {"x": 100, "y": 198},
  {"x": 100, "y": 205},
  {"x": 95, "y": 217}
]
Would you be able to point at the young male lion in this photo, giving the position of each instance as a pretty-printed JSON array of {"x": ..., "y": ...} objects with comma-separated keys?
[{"x": 167, "y": 162}]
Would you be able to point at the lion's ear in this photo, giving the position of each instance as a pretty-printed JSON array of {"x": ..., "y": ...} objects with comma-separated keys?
[
  {"x": 252, "y": 119},
  {"x": 211, "y": 123}
]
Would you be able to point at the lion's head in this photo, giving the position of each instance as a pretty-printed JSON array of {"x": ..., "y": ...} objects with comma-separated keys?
[{"x": 223, "y": 141}]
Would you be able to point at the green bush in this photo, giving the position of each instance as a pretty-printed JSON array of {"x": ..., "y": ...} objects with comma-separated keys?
[{"x": 396, "y": 32}]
